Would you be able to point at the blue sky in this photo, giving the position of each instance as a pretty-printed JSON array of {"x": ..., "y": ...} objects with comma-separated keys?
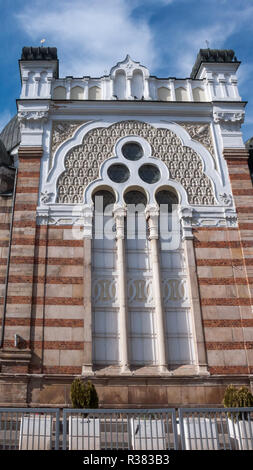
[{"x": 92, "y": 35}]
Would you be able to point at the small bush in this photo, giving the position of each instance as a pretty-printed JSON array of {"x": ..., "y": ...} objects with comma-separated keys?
[
  {"x": 83, "y": 395},
  {"x": 238, "y": 398}
]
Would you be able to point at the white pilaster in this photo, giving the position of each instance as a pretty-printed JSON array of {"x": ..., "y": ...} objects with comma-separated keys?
[
  {"x": 172, "y": 90},
  {"x": 119, "y": 215},
  {"x": 152, "y": 214}
]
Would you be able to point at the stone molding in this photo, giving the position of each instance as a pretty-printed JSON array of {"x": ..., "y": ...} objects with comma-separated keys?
[{"x": 30, "y": 152}]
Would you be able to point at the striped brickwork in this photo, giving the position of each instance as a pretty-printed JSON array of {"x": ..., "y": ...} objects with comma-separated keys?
[
  {"x": 224, "y": 258},
  {"x": 5, "y": 216},
  {"x": 45, "y": 291}
]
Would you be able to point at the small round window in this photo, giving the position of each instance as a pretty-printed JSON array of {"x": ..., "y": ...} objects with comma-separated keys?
[
  {"x": 149, "y": 173},
  {"x": 118, "y": 173},
  {"x": 132, "y": 151}
]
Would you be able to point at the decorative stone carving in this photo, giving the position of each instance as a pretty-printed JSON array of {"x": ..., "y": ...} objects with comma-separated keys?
[
  {"x": 46, "y": 220},
  {"x": 228, "y": 117},
  {"x": 32, "y": 116},
  {"x": 61, "y": 131},
  {"x": 82, "y": 162},
  {"x": 226, "y": 199},
  {"x": 46, "y": 197},
  {"x": 201, "y": 133},
  {"x": 129, "y": 65}
]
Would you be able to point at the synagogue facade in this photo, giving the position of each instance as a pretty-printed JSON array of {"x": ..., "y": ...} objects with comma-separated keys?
[{"x": 150, "y": 296}]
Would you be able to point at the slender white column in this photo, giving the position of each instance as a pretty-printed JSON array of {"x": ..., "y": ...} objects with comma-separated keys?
[
  {"x": 172, "y": 89},
  {"x": 119, "y": 215},
  {"x": 128, "y": 88},
  {"x": 68, "y": 88},
  {"x": 146, "y": 89},
  {"x": 189, "y": 90},
  {"x": 152, "y": 214}
]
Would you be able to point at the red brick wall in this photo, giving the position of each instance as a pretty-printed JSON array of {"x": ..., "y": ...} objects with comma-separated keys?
[{"x": 224, "y": 258}]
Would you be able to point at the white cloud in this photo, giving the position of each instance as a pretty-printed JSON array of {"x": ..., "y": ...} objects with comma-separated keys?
[
  {"x": 188, "y": 42},
  {"x": 5, "y": 117},
  {"x": 91, "y": 36}
]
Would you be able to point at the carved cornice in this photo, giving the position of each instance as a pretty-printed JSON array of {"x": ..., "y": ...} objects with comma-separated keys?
[
  {"x": 39, "y": 116},
  {"x": 231, "y": 117}
]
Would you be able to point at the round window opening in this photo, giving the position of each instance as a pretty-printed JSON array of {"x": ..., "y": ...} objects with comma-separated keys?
[
  {"x": 118, "y": 173},
  {"x": 149, "y": 173},
  {"x": 132, "y": 151}
]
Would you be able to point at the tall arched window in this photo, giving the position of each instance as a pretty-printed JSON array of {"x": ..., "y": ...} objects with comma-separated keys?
[
  {"x": 119, "y": 86},
  {"x": 105, "y": 328},
  {"x": 176, "y": 302},
  {"x": 137, "y": 87},
  {"x": 140, "y": 302}
]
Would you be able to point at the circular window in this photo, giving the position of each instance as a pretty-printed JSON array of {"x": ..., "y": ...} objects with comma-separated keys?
[
  {"x": 118, "y": 173},
  {"x": 132, "y": 151},
  {"x": 135, "y": 197},
  {"x": 149, "y": 173}
]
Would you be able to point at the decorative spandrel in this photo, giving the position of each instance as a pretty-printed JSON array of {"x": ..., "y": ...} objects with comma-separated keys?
[
  {"x": 61, "y": 131},
  {"x": 82, "y": 162},
  {"x": 201, "y": 133}
]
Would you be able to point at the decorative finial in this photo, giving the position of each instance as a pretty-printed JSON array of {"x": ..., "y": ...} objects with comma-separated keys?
[
  {"x": 207, "y": 44},
  {"x": 42, "y": 42}
]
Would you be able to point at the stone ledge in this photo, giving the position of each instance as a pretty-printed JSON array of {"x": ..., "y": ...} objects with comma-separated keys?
[
  {"x": 236, "y": 154},
  {"x": 30, "y": 152},
  {"x": 15, "y": 356}
]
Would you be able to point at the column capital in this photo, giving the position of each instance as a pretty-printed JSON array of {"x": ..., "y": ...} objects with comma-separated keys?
[
  {"x": 185, "y": 215},
  {"x": 87, "y": 214},
  {"x": 152, "y": 214},
  {"x": 119, "y": 213}
]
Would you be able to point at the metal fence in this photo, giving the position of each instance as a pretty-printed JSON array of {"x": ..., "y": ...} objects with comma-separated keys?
[
  {"x": 29, "y": 428},
  {"x": 119, "y": 429},
  {"x": 149, "y": 429}
]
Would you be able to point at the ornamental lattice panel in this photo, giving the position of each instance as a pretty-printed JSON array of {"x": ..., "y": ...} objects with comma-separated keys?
[{"x": 82, "y": 162}]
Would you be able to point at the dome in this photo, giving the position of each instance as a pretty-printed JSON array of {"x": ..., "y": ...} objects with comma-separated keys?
[
  {"x": 10, "y": 135},
  {"x": 4, "y": 156}
]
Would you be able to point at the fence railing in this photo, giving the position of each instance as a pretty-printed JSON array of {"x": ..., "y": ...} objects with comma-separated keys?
[
  {"x": 29, "y": 428},
  {"x": 149, "y": 429}
]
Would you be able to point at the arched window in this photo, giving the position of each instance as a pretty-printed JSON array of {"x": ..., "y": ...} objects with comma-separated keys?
[
  {"x": 59, "y": 93},
  {"x": 95, "y": 93},
  {"x": 181, "y": 94},
  {"x": 198, "y": 94},
  {"x": 119, "y": 87},
  {"x": 176, "y": 301},
  {"x": 76, "y": 93},
  {"x": 137, "y": 85},
  {"x": 105, "y": 328},
  {"x": 164, "y": 94},
  {"x": 140, "y": 303}
]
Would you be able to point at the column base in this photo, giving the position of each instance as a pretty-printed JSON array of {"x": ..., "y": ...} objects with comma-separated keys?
[
  {"x": 203, "y": 370},
  {"x": 124, "y": 370},
  {"x": 87, "y": 370},
  {"x": 163, "y": 370}
]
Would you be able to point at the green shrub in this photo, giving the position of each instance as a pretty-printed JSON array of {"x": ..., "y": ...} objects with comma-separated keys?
[
  {"x": 83, "y": 395},
  {"x": 238, "y": 398}
]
